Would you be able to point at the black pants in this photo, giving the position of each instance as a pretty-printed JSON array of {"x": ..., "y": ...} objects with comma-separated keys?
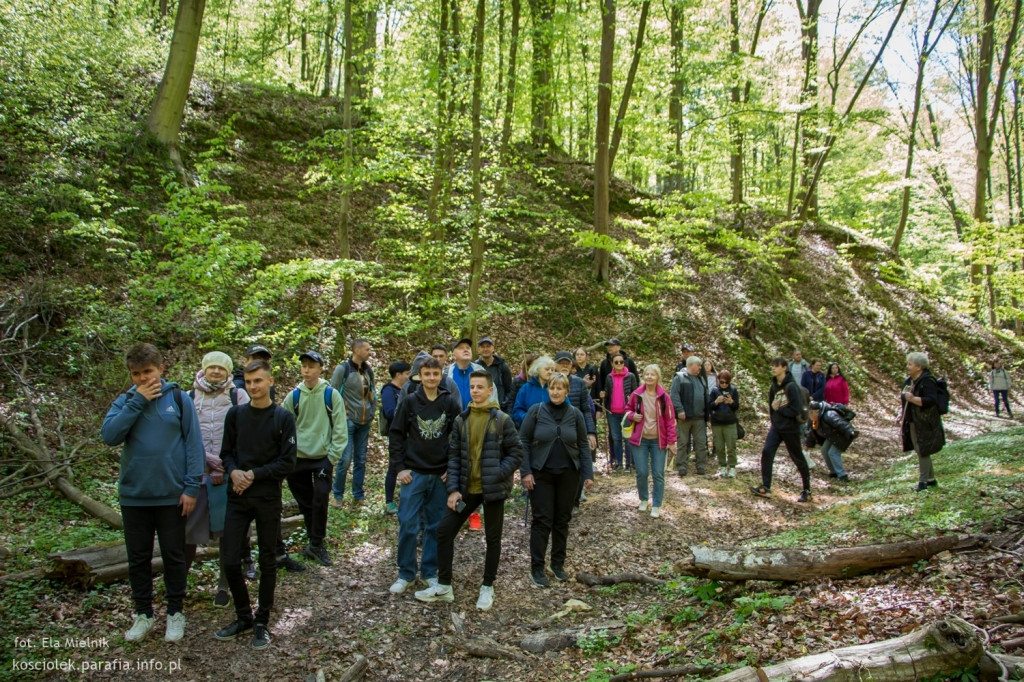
[
  {"x": 796, "y": 453},
  {"x": 140, "y": 524},
  {"x": 265, "y": 510},
  {"x": 390, "y": 483},
  {"x": 451, "y": 524},
  {"x": 554, "y": 493},
  {"x": 310, "y": 484}
]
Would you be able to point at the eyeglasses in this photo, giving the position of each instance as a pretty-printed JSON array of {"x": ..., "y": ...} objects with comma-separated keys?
[{"x": 618, "y": 362}]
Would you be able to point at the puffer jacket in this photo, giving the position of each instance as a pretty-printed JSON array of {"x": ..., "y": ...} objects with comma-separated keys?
[
  {"x": 831, "y": 427},
  {"x": 531, "y": 393},
  {"x": 931, "y": 437},
  {"x": 499, "y": 458},
  {"x": 212, "y": 406},
  {"x": 666, "y": 417}
]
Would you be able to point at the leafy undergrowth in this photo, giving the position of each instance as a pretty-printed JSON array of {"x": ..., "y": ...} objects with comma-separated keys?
[{"x": 326, "y": 615}]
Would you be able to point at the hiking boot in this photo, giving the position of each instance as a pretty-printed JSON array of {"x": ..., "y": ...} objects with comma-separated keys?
[
  {"x": 805, "y": 496},
  {"x": 844, "y": 478},
  {"x": 260, "y": 637},
  {"x": 933, "y": 483},
  {"x": 391, "y": 508},
  {"x": 250, "y": 571},
  {"x": 237, "y": 628},
  {"x": 289, "y": 564},
  {"x": 642, "y": 507},
  {"x": 399, "y": 586},
  {"x": 318, "y": 554},
  {"x": 921, "y": 486},
  {"x": 474, "y": 521},
  {"x": 140, "y": 627},
  {"x": 486, "y": 599},
  {"x": 538, "y": 578},
  {"x": 732, "y": 472},
  {"x": 833, "y": 474},
  {"x": 682, "y": 473},
  {"x": 436, "y": 593},
  {"x": 655, "y": 512},
  {"x": 175, "y": 630},
  {"x": 560, "y": 574},
  {"x": 336, "y": 502}
]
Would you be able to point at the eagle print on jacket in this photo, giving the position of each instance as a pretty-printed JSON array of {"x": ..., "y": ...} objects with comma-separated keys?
[{"x": 431, "y": 428}]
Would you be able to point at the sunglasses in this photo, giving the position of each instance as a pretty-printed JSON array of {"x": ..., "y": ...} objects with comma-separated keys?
[{"x": 618, "y": 362}]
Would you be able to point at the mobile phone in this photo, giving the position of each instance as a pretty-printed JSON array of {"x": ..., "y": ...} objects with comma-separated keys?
[{"x": 459, "y": 506}]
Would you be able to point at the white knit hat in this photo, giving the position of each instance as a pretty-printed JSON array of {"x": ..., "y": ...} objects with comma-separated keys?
[{"x": 218, "y": 359}]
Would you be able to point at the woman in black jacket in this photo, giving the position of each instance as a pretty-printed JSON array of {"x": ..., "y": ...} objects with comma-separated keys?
[
  {"x": 921, "y": 423},
  {"x": 785, "y": 404},
  {"x": 555, "y": 455}
]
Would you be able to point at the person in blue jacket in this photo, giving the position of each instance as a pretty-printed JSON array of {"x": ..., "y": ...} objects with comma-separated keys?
[
  {"x": 535, "y": 390},
  {"x": 161, "y": 470},
  {"x": 814, "y": 381}
]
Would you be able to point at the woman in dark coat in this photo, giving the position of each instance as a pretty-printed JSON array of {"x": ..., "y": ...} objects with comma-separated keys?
[
  {"x": 556, "y": 454},
  {"x": 920, "y": 419}
]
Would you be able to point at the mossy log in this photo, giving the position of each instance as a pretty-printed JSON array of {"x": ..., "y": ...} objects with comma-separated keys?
[{"x": 942, "y": 648}]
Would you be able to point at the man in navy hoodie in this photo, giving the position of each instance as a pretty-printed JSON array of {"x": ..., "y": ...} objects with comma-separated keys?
[{"x": 161, "y": 470}]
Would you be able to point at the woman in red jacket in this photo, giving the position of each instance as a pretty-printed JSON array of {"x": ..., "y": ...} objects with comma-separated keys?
[
  {"x": 836, "y": 388},
  {"x": 654, "y": 432}
]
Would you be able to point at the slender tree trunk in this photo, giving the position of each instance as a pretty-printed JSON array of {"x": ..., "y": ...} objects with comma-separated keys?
[
  {"x": 735, "y": 131},
  {"x": 674, "y": 182},
  {"x": 436, "y": 201},
  {"x": 810, "y": 118},
  {"x": 476, "y": 262},
  {"x": 602, "y": 170},
  {"x": 941, "y": 178},
  {"x": 510, "y": 97},
  {"x": 627, "y": 91},
  {"x": 542, "y": 89},
  {"x": 344, "y": 307},
  {"x": 331, "y": 25},
  {"x": 168, "y": 108}
]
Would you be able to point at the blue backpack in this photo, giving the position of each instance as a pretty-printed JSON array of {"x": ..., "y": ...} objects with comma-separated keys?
[{"x": 328, "y": 403}]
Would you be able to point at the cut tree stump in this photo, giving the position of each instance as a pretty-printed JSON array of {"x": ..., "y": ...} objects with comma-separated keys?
[
  {"x": 794, "y": 565},
  {"x": 942, "y": 648}
]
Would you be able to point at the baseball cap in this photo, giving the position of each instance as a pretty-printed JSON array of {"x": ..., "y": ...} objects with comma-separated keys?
[
  {"x": 464, "y": 340},
  {"x": 612, "y": 342},
  {"x": 484, "y": 340},
  {"x": 312, "y": 355},
  {"x": 257, "y": 349},
  {"x": 563, "y": 355}
]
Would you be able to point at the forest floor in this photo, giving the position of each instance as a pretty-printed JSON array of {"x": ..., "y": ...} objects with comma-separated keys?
[{"x": 324, "y": 616}]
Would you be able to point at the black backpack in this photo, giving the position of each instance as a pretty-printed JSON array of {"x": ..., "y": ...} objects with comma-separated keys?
[{"x": 942, "y": 400}]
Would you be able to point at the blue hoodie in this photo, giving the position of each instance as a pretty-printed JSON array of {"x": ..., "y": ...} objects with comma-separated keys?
[{"x": 163, "y": 453}]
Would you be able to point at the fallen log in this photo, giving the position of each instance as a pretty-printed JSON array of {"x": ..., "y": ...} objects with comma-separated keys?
[
  {"x": 485, "y": 647},
  {"x": 942, "y": 648},
  {"x": 794, "y": 565},
  {"x": 660, "y": 673},
  {"x": 1011, "y": 618},
  {"x": 106, "y": 563},
  {"x": 594, "y": 580},
  {"x": 543, "y": 641},
  {"x": 356, "y": 671}
]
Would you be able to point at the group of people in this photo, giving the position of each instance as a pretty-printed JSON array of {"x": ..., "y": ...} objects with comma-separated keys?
[{"x": 207, "y": 463}]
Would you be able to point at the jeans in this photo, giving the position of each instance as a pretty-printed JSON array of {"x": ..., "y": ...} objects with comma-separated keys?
[
  {"x": 619, "y": 448},
  {"x": 355, "y": 454},
  {"x": 426, "y": 494},
  {"x": 796, "y": 453},
  {"x": 725, "y": 444},
  {"x": 649, "y": 448},
  {"x": 833, "y": 458},
  {"x": 140, "y": 523},
  {"x": 451, "y": 524},
  {"x": 265, "y": 510},
  {"x": 553, "y": 495},
  {"x": 1006, "y": 401},
  {"x": 310, "y": 484},
  {"x": 698, "y": 428}
]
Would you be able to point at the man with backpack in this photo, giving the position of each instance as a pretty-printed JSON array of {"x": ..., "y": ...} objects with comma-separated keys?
[
  {"x": 353, "y": 378},
  {"x": 390, "y": 394},
  {"x": 161, "y": 471},
  {"x": 690, "y": 398},
  {"x": 830, "y": 427},
  {"x": 322, "y": 434},
  {"x": 923, "y": 401}
]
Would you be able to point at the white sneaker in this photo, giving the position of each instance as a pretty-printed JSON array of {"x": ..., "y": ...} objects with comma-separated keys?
[
  {"x": 140, "y": 628},
  {"x": 643, "y": 506},
  {"x": 732, "y": 472},
  {"x": 432, "y": 582},
  {"x": 399, "y": 586},
  {"x": 722, "y": 472},
  {"x": 655, "y": 512},
  {"x": 175, "y": 627},
  {"x": 583, "y": 496},
  {"x": 436, "y": 592},
  {"x": 486, "y": 599}
]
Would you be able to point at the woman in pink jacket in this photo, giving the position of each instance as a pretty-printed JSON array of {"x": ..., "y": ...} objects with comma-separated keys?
[
  {"x": 836, "y": 388},
  {"x": 654, "y": 432}
]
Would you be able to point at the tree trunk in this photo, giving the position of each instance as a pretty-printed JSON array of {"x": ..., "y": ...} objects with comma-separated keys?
[
  {"x": 476, "y": 263},
  {"x": 168, "y": 108},
  {"x": 809, "y": 117},
  {"x": 542, "y": 93},
  {"x": 674, "y": 182},
  {"x": 602, "y": 170},
  {"x": 510, "y": 95},
  {"x": 938, "y": 650},
  {"x": 329, "y": 47},
  {"x": 735, "y": 131},
  {"x": 627, "y": 91},
  {"x": 941, "y": 178}
]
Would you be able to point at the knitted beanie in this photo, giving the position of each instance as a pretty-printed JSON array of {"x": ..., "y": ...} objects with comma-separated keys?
[{"x": 218, "y": 359}]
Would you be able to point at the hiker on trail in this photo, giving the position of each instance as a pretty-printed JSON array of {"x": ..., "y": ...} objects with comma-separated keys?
[
  {"x": 654, "y": 434},
  {"x": 418, "y": 446},
  {"x": 213, "y": 394},
  {"x": 690, "y": 398},
  {"x": 999, "y": 384},
  {"x": 354, "y": 380},
  {"x": 253, "y": 352},
  {"x": 258, "y": 452},
  {"x": 613, "y": 347},
  {"x": 797, "y": 366},
  {"x": 535, "y": 390},
  {"x": 710, "y": 374},
  {"x": 439, "y": 353},
  {"x": 579, "y": 397},
  {"x": 723, "y": 405},
  {"x": 556, "y": 455},
  {"x": 498, "y": 369},
  {"x": 836, "y": 388},
  {"x": 920, "y": 419},
  {"x": 389, "y": 395},
  {"x": 461, "y": 367},
  {"x": 161, "y": 473},
  {"x": 483, "y": 455},
  {"x": 617, "y": 386},
  {"x": 583, "y": 368},
  {"x": 785, "y": 409},
  {"x": 521, "y": 379},
  {"x": 831, "y": 429},
  {"x": 321, "y": 430},
  {"x": 684, "y": 353},
  {"x": 814, "y": 381}
]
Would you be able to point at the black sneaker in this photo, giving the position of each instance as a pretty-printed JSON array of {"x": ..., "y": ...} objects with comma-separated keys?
[
  {"x": 682, "y": 473},
  {"x": 933, "y": 483},
  {"x": 250, "y": 571},
  {"x": 234, "y": 630},
  {"x": 318, "y": 554},
  {"x": 921, "y": 486},
  {"x": 833, "y": 474},
  {"x": 289, "y": 564},
  {"x": 260, "y": 637},
  {"x": 222, "y": 599},
  {"x": 560, "y": 573},
  {"x": 845, "y": 478},
  {"x": 805, "y": 496},
  {"x": 539, "y": 579}
]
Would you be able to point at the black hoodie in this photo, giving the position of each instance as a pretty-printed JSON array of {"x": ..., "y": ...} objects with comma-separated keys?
[
  {"x": 784, "y": 419},
  {"x": 418, "y": 438}
]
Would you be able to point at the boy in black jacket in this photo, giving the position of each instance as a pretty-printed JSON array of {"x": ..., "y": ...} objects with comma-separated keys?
[
  {"x": 830, "y": 428},
  {"x": 785, "y": 403},
  {"x": 258, "y": 453}
]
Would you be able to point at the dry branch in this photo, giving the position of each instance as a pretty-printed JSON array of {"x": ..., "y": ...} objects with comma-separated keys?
[
  {"x": 592, "y": 580},
  {"x": 664, "y": 673},
  {"x": 485, "y": 647},
  {"x": 356, "y": 671},
  {"x": 1011, "y": 618}
]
